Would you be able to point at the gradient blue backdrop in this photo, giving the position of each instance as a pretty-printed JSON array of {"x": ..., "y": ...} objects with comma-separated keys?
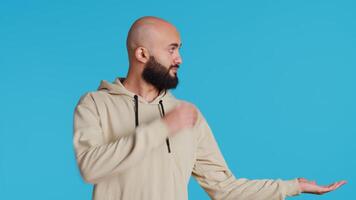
[{"x": 275, "y": 80}]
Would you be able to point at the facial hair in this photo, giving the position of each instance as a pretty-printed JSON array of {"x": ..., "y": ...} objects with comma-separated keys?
[{"x": 158, "y": 75}]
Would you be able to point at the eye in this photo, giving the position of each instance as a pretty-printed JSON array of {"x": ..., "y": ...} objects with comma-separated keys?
[{"x": 171, "y": 50}]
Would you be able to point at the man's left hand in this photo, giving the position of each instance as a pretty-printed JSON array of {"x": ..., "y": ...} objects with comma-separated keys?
[{"x": 311, "y": 187}]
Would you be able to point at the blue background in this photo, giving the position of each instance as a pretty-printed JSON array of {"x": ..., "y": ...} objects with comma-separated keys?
[{"x": 275, "y": 80}]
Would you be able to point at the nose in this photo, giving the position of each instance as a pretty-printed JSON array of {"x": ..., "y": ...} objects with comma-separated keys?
[{"x": 178, "y": 60}]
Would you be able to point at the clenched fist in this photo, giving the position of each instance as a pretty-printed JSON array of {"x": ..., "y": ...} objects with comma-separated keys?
[{"x": 184, "y": 115}]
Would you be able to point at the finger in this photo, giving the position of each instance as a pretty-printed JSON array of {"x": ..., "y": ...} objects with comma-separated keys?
[
  {"x": 337, "y": 185},
  {"x": 325, "y": 189},
  {"x": 340, "y": 183},
  {"x": 331, "y": 187}
]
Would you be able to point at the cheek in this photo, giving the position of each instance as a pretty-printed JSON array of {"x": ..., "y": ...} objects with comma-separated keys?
[{"x": 165, "y": 60}]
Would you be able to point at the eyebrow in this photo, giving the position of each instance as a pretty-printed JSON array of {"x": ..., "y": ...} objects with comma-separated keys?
[{"x": 176, "y": 45}]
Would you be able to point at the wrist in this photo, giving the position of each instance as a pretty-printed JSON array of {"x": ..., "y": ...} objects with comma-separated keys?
[{"x": 300, "y": 185}]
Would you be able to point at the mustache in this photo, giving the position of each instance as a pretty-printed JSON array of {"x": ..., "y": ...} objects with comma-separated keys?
[
  {"x": 172, "y": 66},
  {"x": 169, "y": 69}
]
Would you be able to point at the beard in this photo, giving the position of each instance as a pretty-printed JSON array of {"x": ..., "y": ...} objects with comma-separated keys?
[{"x": 158, "y": 75}]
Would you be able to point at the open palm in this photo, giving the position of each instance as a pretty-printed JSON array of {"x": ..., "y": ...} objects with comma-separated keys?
[{"x": 311, "y": 187}]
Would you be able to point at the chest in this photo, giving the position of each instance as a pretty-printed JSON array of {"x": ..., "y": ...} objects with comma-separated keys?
[{"x": 117, "y": 117}]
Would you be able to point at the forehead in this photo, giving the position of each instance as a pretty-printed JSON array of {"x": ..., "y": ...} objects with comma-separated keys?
[{"x": 169, "y": 36}]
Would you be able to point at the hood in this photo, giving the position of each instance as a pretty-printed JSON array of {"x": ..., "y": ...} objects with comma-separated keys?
[{"x": 116, "y": 87}]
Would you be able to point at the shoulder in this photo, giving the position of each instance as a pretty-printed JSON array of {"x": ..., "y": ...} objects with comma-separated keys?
[
  {"x": 91, "y": 100},
  {"x": 93, "y": 97}
]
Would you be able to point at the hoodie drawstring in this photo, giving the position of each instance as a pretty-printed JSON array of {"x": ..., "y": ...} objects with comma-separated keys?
[
  {"x": 167, "y": 139},
  {"x": 136, "y": 110},
  {"x": 136, "y": 118}
]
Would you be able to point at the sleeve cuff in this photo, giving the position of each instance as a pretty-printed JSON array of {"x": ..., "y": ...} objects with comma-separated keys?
[{"x": 291, "y": 187}]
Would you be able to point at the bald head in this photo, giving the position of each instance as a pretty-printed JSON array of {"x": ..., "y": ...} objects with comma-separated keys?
[
  {"x": 153, "y": 46},
  {"x": 149, "y": 32}
]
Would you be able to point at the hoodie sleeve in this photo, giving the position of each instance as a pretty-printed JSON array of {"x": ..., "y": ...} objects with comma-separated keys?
[
  {"x": 213, "y": 175},
  {"x": 98, "y": 160}
]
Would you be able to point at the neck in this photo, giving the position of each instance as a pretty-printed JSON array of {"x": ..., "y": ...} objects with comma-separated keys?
[{"x": 140, "y": 87}]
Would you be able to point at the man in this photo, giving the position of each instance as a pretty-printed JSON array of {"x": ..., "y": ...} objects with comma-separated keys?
[{"x": 134, "y": 140}]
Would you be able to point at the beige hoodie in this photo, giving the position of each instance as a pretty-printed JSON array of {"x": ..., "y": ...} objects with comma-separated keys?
[{"x": 121, "y": 147}]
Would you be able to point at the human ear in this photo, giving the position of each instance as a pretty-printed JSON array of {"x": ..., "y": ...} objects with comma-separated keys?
[{"x": 141, "y": 54}]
